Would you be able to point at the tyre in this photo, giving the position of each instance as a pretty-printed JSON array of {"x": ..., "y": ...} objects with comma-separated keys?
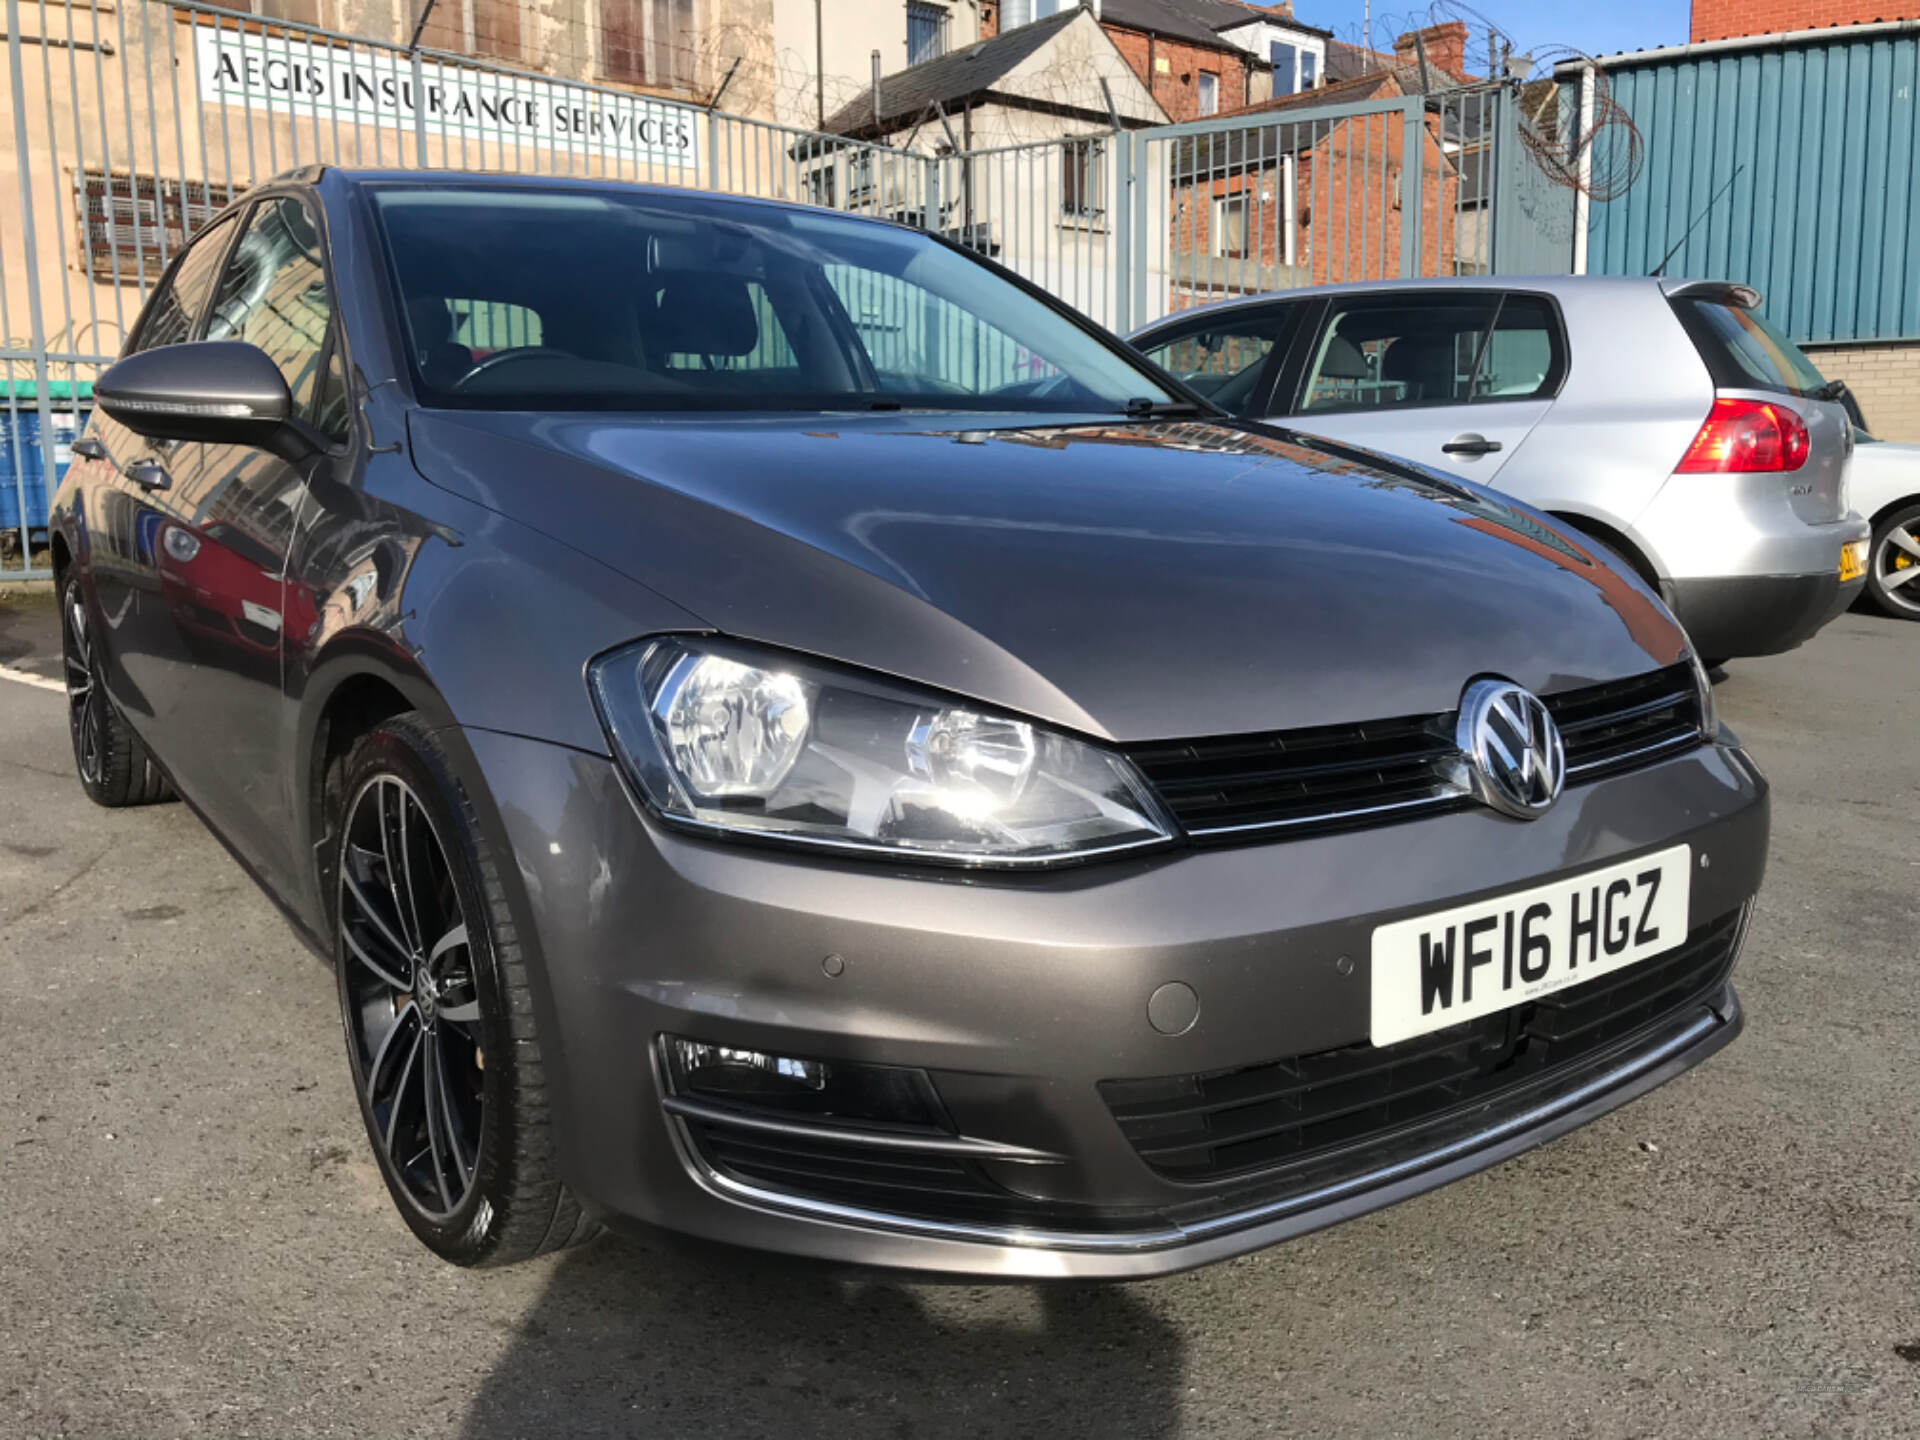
[
  {"x": 1893, "y": 564},
  {"x": 441, "y": 1034},
  {"x": 115, "y": 768}
]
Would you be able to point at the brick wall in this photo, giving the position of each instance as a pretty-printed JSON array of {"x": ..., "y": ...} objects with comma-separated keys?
[
  {"x": 1172, "y": 69},
  {"x": 1348, "y": 212},
  {"x": 1724, "y": 19},
  {"x": 1886, "y": 378}
]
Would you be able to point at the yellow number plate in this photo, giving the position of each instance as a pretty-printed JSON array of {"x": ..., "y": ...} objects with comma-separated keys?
[{"x": 1853, "y": 560}]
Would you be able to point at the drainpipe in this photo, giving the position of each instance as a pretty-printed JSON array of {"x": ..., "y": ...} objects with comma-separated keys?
[
  {"x": 819, "y": 67},
  {"x": 876, "y": 91},
  {"x": 1581, "y": 198}
]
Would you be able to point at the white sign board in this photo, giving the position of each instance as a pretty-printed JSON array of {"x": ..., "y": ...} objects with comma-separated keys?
[{"x": 294, "y": 75}]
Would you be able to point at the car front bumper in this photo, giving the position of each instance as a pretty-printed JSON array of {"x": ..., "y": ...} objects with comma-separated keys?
[{"x": 1021, "y": 994}]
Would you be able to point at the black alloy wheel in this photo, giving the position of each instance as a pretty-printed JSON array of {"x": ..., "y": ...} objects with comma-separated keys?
[
  {"x": 412, "y": 1005},
  {"x": 113, "y": 764},
  {"x": 452, "y": 1092},
  {"x": 84, "y": 699}
]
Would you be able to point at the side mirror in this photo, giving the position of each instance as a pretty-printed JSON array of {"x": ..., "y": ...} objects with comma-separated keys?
[{"x": 222, "y": 392}]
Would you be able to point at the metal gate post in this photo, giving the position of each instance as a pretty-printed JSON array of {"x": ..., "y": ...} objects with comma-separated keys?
[
  {"x": 419, "y": 110},
  {"x": 1122, "y": 222},
  {"x": 1413, "y": 155},
  {"x": 1140, "y": 167},
  {"x": 37, "y": 333},
  {"x": 932, "y": 221}
]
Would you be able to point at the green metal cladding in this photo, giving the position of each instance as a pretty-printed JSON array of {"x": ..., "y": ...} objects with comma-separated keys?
[{"x": 1795, "y": 164}]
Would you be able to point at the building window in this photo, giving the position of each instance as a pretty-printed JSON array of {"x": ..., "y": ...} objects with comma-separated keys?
[
  {"x": 130, "y": 226},
  {"x": 1285, "y": 73},
  {"x": 1083, "y": 177},
  {"x": 467, "y": 27},
  {"x": 926, "y": 32},
  {"x": 1307, "y": 63},
  {"x": 1208, "y": 94},
  {"x": 649, "y": 42},
  {"x": 1230, "y": 227},
  {"x": 301, "y": 12}
]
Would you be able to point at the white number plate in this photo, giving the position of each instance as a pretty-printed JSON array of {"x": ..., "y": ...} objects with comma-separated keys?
[{"x": 1459, "y": 964}]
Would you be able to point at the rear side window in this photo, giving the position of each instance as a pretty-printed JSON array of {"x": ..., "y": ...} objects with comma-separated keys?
[
  {"x": 1439, "y": 348},
  {"x": 181, "y": 298},
  {"x": 1744, "y": 352}
]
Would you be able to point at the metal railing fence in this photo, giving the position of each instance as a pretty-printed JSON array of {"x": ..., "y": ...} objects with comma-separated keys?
[{"x": 131, "y": 124}]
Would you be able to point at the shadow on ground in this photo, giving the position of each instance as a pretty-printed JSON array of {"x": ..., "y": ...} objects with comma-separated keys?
[{"x": 629, "y": 1341}]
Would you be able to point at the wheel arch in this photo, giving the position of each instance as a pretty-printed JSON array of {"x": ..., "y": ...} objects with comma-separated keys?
[
  {"x": 359, "y": 680},
  {"x": 1614, "y": 539},
  {"x": 1879, "y": 516}
]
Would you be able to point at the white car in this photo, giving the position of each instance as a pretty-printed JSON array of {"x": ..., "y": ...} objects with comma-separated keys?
[{"x": 1885, "y": 480}]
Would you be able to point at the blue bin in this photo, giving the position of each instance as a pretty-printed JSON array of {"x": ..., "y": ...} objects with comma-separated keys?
[{"x": 22, "y": 459}]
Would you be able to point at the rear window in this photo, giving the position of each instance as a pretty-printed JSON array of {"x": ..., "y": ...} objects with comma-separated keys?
[{"x": 1744, "y": 352}]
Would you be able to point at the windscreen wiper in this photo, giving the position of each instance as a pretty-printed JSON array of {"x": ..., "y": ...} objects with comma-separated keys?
[{"x": 1141, "y": 408}]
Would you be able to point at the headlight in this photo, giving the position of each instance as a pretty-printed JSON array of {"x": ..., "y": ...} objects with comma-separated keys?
[
  {"x": 730, "y": 737},
  {"x": 1709, "y": 714}
]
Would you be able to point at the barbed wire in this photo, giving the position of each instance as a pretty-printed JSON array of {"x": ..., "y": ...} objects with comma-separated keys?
[{"x": 1600, "y": 153}]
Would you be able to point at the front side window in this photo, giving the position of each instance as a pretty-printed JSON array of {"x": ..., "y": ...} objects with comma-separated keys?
[
  {"x": 273, "y": 294},
  {"x": 626, "y": 301},
  {"x": 1381, "y": 351},
  {"x": 1308, "y": 61},
  {"x": 181, "y": 298},
  {"x": 1208, "y": 93}
]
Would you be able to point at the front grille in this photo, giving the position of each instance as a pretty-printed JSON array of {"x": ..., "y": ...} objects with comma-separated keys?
[
  {"x": 1613, "y": 728},
  {"x": 1287, "y": 1112},
  {"x": 1342, "y": 776}
]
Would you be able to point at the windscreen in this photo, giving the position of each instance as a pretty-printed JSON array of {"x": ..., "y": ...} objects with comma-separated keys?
[{"x": 516, "y": 298}]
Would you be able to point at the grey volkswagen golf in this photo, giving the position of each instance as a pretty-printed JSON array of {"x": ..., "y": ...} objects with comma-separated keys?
[{"x": 790, "y": 736}]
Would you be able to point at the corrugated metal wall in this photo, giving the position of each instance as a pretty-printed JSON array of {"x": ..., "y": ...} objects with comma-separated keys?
[{"x": 1799, "y": 164}]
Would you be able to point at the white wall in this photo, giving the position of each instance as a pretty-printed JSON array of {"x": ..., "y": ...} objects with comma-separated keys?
[
  {"x": 852, "y": 31},
  {"x": 1260, "y": 37}
]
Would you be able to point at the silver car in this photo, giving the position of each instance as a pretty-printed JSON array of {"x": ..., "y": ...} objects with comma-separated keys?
[{"x": 1665, "y": 418}]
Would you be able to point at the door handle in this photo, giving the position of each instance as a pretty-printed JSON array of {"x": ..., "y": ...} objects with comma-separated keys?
[
  {"x": 149, "y": 475},
  {"x": 1469, "y": 444},
  {"x": 88, "y": 447}
]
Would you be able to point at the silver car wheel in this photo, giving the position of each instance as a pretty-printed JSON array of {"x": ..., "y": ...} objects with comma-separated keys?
[{"x": 1896, "y": 566}]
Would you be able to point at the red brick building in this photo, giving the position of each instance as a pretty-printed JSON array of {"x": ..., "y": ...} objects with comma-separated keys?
[
  {"x": 1726, "y": 19},
  {"x": 1244, "y": 207},
  {"x": 1192, "y": 70}
]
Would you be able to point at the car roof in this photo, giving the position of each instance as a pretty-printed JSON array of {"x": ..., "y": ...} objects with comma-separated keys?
[
  {"x": 584, "y": 184},
  {"x": 1557, "y": 285}
]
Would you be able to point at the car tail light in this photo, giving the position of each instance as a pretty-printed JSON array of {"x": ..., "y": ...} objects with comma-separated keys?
[{"x": 1743, "y": 436}]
